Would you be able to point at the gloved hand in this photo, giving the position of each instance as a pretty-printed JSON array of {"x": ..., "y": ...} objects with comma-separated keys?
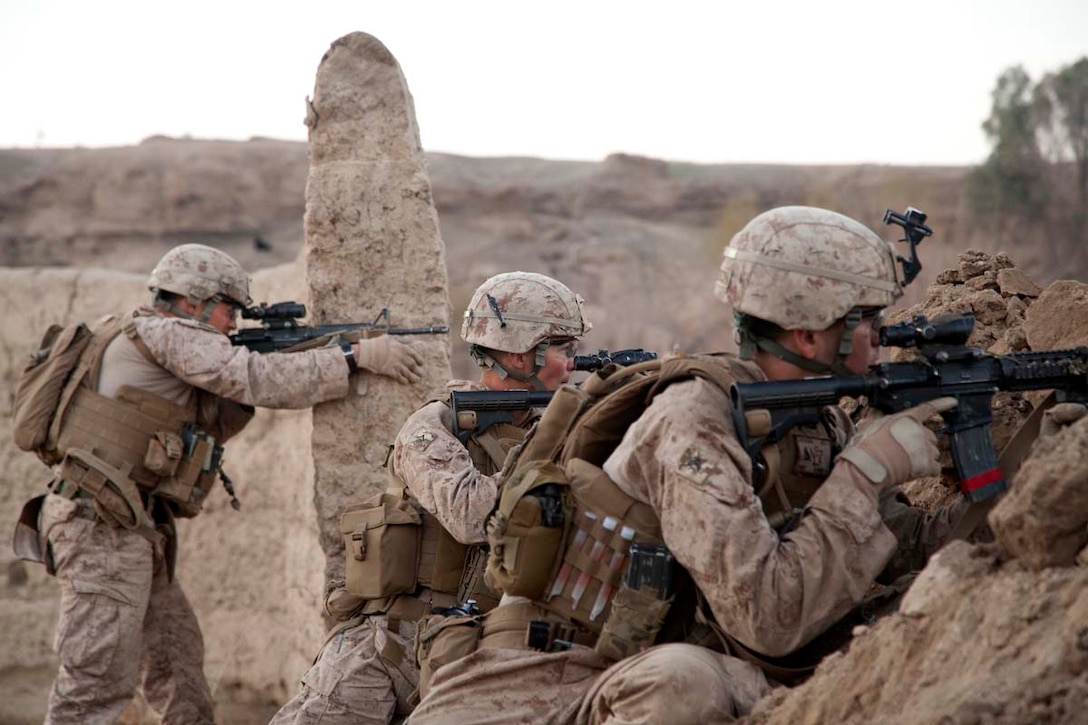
[
  {"x": 1060, "y": 416},
  {"x": 890, "y": 450},
  {"x": 387, "y": 356}
]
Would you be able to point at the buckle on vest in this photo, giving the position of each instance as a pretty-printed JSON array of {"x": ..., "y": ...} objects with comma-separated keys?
[{"x": 549, "y": 636}]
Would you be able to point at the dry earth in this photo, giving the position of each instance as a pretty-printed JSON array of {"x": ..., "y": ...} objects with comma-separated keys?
[{"x": 983, "y": 637}]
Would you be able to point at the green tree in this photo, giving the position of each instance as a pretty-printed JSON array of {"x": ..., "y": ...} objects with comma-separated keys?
[
  {"x": 1060, "y": 113},
  {"x": 1034, "y": 183},
  {"x": 1007, "y": 185}
]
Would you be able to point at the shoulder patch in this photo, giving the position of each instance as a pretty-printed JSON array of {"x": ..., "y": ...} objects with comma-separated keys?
[
  {"x": 695, "y": 465},
  {"x": 421, "y": 439},
  {"x": 813, "y": 456}
]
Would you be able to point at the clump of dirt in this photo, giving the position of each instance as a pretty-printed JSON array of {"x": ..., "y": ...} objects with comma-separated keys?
[{"x": 1043, "y": 521}]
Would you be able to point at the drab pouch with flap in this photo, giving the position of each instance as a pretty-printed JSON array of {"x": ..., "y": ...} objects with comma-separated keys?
[
  {"x": 382, "y": 542},
  {"x": 527, "y": 530}
]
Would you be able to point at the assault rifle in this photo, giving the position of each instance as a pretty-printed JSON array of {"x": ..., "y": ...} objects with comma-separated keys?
[
  {"x": 764, "y": 412},
  {"x": 474, "y": 411},
  {"x": 280, "y": 330}
]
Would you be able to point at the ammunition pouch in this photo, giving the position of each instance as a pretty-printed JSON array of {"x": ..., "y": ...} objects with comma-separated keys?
[
  {"x": 526, "y": 531},
  {"x": 633, "y": 622},
  {"x": 382, "y": 538},
  {"x": 186, "y": 479},
  {"x": 562, "y": 538}
]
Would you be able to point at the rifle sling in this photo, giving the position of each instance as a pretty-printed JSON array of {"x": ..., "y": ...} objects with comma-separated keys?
[{"x": 1012, "y": 455}]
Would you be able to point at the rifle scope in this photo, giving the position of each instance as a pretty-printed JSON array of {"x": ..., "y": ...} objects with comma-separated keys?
[
  {"x": 277, "y": 311},
  {"x": 919, "y": 332}
]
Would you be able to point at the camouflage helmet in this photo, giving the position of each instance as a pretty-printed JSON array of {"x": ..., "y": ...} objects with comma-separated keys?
[
  {"x": 200, "y": 272},
  {"x": 516, "y": 311},
  {"x": 804, "y": 268}
]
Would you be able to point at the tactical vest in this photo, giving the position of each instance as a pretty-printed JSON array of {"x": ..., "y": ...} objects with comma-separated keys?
[
  {"x": 574, "y": 571},
  {"x": 401, "y": 559},
  {"x": 122, "y": 450}
]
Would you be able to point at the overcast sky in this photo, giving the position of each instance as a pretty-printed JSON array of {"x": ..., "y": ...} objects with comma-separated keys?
[{"x": 748, "y": 81}]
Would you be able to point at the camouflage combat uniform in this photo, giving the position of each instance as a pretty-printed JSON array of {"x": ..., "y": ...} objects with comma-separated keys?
[
  {"x": 683, "y": 459},
  {"x": 367, "y": 668},
  {"x": 765, "y": 589},
  {"x": 366, "y": 673},
  {"x": 123, "y": 623}
]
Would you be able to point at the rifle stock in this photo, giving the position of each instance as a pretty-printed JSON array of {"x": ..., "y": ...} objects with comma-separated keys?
[{"x": 764, "y": 412}]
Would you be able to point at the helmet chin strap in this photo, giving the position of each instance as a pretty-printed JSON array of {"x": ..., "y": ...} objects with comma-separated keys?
[
  {"x": 750, "y": 342},
  {"x": 209, "y": 308},
  {"x": 484, "y": 360}
]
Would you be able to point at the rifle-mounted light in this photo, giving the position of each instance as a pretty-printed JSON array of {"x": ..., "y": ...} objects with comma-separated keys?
[{"x": 914, "y": 225}]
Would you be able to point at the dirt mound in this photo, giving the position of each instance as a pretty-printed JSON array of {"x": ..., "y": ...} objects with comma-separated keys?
[{"x": 977, "y": 640}]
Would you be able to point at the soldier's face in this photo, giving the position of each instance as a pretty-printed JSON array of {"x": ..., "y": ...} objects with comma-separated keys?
[
  {"x": 866, "y": 343},
  {"x": 224, "y": 317},
  {"x": 865, "y": 347},
  {"x": 558, "y": 363}
]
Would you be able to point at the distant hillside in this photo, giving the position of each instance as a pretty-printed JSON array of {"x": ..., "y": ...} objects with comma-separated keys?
[{"x": 639, "y": 238}]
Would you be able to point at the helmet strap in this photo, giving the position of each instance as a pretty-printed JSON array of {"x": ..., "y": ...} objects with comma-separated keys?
[
  {"x": 161, "y": 304},
  {"x": 209, "y": 307},
  {"x": 749, "y": 343},
  {"x": 484, "y": 360},
  {"x": 846, "y": 342}
]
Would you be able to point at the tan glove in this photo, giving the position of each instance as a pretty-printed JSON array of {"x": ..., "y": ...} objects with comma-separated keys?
[
  {"x": 890, "y": 450},
  {"x": 1060, "y": 416},
  {"x": 387, "y": 356}
]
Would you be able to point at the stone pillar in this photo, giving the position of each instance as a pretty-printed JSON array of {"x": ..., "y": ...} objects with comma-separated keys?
[{"x": 372, "y": 241}]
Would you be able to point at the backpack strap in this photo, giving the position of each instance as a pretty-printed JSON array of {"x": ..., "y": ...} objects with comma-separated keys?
[
  {"x": 88, "y": 368},
  {"x": 128, "y": 327}
]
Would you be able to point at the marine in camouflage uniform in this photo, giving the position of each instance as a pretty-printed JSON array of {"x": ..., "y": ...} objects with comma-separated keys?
[
  {"x": 806, "y": 286},
  {"x": 124, "y": 620},
  {"x": 522, "y": 329}
]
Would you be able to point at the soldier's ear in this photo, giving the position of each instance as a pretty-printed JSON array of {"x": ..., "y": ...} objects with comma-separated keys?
[
  {"x": 520, "y": 361},
  {"x": 805, "y": 343}
]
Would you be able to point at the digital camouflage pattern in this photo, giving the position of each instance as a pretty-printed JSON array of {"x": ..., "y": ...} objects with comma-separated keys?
[
  {"x": 683, "y": 458},
  {"x": 533, "y": 307},
  {"x": 773, "y": 592},
  {"x": 440, "y": 472},
  {"x": 349, "y": 681},
  {"x": 200, "y": 272},
  {"x": 803, "y": 268},
  {"x": 122, "y": 624},
  {"x": 193, "y": 355},
  {"x": 669, "y": 683}
]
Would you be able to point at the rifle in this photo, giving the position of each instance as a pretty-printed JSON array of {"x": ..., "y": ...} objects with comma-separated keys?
[
  {"x": 764, "y": 412},
  {"x": 280, "y": 330},
  {"x": 474, "y": 411}
]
